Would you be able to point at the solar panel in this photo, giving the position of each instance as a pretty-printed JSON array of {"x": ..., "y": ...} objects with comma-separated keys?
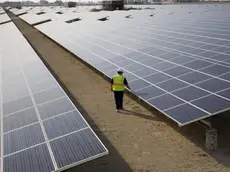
[
  {"x": 181, "y": 60},
  {"x": 41, "y": 129},
  {"x": 4, "y": 18}
]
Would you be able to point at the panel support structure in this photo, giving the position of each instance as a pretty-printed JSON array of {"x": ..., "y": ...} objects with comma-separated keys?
[{"x": 211, "y": 139}]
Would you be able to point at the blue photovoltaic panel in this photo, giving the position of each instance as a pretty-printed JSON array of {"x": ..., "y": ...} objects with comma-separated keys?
[
  {"x": 37, "y": 117},
  {"x": 178, "y": 59}
]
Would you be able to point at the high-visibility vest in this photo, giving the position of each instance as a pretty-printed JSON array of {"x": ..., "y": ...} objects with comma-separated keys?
[{"x": 118, "y": 83}]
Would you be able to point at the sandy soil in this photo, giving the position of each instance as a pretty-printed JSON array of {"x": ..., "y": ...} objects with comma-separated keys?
[{"x": 139, "y": 141}]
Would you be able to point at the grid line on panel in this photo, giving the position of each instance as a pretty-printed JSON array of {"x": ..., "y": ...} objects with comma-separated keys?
[
  {"x": 176, "y": 50},
  {"x": 157, "y": 70},
  {"x": 150, "y": 83},
  {"x": 151, "y": 56},
  {"x": 195, "y": 41},
  {"x": 176, "y": 76},
  {"x": 195, "y": 29},
  {"x": 148, "y": 37},
  {"x": 19, "y": 128},
  {"x": 34, "y": 106},
  {"x": 27, "y": 95},
  {"x": 38, "y": 115},
  {"x": 79, "y": 114},
  {"x": 182, "y": 52},
  {"x": 23, "y": 149},
  {"x": 191, "y": 34},
  {"x": 45, "y": 142},
  {"x": 106, "y": 151},
  {"x": 183, "y": 32},
  {"x": 170, "y": 49},
  {"x": 38, "y": 122}
]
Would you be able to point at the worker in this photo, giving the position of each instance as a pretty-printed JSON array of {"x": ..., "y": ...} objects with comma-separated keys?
[{"x": 118, "y": 84}]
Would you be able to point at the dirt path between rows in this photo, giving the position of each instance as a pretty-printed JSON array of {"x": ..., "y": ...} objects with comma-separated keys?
[{"x": 141, "y": 141}]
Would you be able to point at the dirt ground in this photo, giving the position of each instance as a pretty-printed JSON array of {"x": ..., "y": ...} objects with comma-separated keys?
[{"x": 139, "y": 141}]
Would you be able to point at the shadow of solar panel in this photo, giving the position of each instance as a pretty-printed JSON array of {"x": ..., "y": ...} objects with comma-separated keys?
[
  {"x": 71, "y": 149},
  {"x": 55, "y": 107},
  {"x": 19, "y": 119},
  {"x": 36, "y": 159},
  {"x": 22, "y": 138},
  {"x": 64, "y": 124}
]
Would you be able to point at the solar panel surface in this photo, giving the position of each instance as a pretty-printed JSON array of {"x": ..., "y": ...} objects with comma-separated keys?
[
  {"x": 41, "y": 129},
  {"x": 4, "y": 18},
  {"x": 178, "y": 54}
]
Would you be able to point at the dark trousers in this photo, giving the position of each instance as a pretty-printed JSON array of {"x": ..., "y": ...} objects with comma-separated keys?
[{"x": 118, "y": 96}]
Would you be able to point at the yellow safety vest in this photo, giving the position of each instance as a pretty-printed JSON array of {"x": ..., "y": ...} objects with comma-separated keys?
[{"x": 118, "y": 83}]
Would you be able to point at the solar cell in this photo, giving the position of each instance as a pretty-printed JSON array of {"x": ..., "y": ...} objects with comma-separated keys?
[
  {"x": 165, "y": 102},
  {"x": 79, "y": 146},
  {"x": 214, "y": 85},
  {"x": 185, "y": 113},
  {"x": 35, "y": 159},
  {"x": 19, "y": 119},
  {"x": 137, "y": 84},
  {"x": 22, "y": 138},
  {"x": 64, "y": 124},
  {"x": 190, "y": 93},
  {"x": 172, "y": 84},
  {"x": 212, "y": 104},
  {"x": 172, "y": 54}
]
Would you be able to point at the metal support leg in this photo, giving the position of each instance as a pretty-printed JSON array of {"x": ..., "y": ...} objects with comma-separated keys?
[{"x": 211, "y": 139}]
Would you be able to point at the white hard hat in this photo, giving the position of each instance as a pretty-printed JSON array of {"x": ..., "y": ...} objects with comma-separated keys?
[{"x": 119, "y": 70}]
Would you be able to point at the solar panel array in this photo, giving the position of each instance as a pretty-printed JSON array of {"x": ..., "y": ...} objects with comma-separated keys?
[
  {"x": 41, "y": 129},
  {"x": 178, "y": 54},
  {"x": 3, "y": 16}
]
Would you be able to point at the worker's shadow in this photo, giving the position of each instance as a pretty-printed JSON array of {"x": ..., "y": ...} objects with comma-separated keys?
[{"x": 141, "y": 115}]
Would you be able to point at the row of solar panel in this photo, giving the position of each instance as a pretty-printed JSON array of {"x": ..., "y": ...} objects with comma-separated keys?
[
  {"x": 39, "y": 123},
  {"x": 160, "y": 93}
]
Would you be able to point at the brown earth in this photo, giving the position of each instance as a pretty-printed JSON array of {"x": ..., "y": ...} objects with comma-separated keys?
[{"x": 140, "y": 141}]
